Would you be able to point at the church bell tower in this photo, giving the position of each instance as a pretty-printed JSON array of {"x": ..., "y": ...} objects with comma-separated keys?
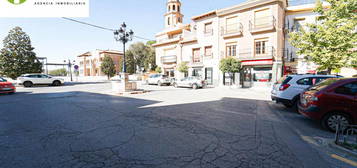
[{"x": 173, "y": 16}]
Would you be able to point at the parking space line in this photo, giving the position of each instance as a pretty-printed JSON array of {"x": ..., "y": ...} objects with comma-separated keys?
[{"x": 350, "y": 162}]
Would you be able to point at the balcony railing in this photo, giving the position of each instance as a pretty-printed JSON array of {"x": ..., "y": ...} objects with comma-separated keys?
[
  {"x": 196, "y": 61},
  {"x": 169, "y": 59},
  {"x": 232, "y": 30},
  {"x": 169, "y": 39},
  {"x": 261, "y": 24},
  {"x": 248, "y": 54}
]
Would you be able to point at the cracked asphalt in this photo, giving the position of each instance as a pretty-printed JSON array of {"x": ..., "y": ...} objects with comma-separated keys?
[{"x": 83, "y": 126}]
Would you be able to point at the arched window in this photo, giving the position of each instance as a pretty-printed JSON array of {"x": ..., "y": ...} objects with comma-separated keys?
[
  {"x": 178, "y": 8},
  {"x": 169, "y": 8},
  {"x": 179, "y": 19},
  {"x": 173, "y": 7},
  {"x": 168, "y": 21}
]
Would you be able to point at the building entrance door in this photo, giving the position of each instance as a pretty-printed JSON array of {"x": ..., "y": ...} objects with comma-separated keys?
[
  {"x": 209, "y": 76},
  {"x": 247, "y": 80}
]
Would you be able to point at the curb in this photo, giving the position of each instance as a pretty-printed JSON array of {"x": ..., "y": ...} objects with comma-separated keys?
[{"x": 342, "y": 149}]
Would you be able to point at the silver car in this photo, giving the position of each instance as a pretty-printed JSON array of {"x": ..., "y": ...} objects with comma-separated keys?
[
  {"x": 190, "y": 82},
  {"x": 158, "y": 79}
]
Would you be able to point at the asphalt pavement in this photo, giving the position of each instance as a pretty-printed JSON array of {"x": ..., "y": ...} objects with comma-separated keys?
[{"x": 84, "y": 125}]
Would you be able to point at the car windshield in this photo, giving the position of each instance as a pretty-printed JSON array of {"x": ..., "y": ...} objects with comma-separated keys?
[
  {"x": 323, "y": 84},
  {"x": 2, "y": 79}
]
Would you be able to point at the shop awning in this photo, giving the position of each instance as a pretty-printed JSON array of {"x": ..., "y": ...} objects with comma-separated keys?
[{"x": 257, "y": 62}]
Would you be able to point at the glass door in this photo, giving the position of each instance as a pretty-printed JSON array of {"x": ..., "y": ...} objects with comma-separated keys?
[{"x": 209, "y": 76}]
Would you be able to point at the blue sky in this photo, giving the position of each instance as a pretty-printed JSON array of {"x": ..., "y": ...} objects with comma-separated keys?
[{"x": 59, "y": 39}]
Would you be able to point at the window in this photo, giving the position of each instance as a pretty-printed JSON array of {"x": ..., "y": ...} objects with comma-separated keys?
[
  {"x": 298, "y": 24},
  {"x": 231, "y": 25},
  {"x": 179, "y": 19},
  {"x": 304, "y": 81},
  {"x": 196, "y": 55},
  {"x": 348, "y": 89},
  {"x": 173, "y": 7},
  {"x": 169, "y": 8},
  {"x": 178, "y": 8},
  {"x": 208, "y": 51},
  {"x": 208, "y": 28},
  {"x": 261, "y": 17},
  {"x": 168, "y": 21},
  {"x": 261, "y": 47},
  {"x": 231, "y": 50}
]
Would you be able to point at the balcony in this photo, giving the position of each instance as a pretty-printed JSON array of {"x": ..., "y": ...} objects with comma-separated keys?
[
  {"x": 196, "y": 61},
  {"x": 168, "y": 40},
  {"x": 232, "y": 30},
  {"x": 249, "y": 54},
  {"x": 189, "y": 37},
  {"x": 262, "y": 24},
  {"x": 171, "y": 59}
]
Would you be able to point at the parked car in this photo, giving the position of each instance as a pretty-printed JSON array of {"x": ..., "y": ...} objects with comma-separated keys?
[
  {"x": 288, "y": 89},
  {"x": 333, "y": 101},
  {"x": 190, "y": 82},
  {"x": 6, "y": 87},
  {"x": 158, "y": 79},
  {"x": 28, "y": 80}
]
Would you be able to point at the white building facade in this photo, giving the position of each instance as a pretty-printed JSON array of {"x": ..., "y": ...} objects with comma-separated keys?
[{"x": 251, "y": 32}]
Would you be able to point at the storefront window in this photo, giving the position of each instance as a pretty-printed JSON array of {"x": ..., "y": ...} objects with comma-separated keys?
[{"x": 262, "y": 74}]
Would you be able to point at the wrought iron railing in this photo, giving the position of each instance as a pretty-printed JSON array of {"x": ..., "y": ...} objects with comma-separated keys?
[
  {"x": 346, "y": 136},
  {"x": 232, "y": 29},
  {"x": 262, "y": 23},
  {"x": 266, "y": 53}
]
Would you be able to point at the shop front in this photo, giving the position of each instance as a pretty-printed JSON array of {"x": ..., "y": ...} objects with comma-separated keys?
[{"x": 257, "y": 73}]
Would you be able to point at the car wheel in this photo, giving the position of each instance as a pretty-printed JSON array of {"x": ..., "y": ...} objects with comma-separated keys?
[
  {"x": 175, "y": 85},
  {"x": 159, "y": 83},
  {"x": 28, "y": 84},
  {"x": 331, "y": 121},
  {"x": 194, "y": 86},
  {"x": 56, "y": 83}
]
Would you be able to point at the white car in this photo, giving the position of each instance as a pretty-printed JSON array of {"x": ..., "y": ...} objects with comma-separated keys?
[
  {"x": 190, "y": 82},
  {"x": 158, "y": 79},
  {"x": 28, "y": 80},
  {"x": 288, "y": 89}
]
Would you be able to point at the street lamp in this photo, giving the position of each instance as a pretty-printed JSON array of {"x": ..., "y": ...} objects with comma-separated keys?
[
  {"x": 123, "y": 36},
  {"x": 70, "y": 67}
]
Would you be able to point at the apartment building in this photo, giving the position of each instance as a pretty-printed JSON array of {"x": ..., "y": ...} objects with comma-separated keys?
[
  {"x": 298, "y": 14},
  {"x": 89, "y": 62},
  {"x": 251, "y": 32}
]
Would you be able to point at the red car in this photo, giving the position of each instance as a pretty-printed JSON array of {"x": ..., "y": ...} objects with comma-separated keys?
[
  {"x": 6, "y": 87},
  {"x": 333, "y": 101}
]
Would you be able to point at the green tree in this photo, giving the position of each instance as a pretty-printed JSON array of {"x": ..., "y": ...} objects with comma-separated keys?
[
  {"x": 58, "y": 72},
  {"x": 230, "y": 65},
  {"x": 141, "y": 55},
  {"x": 150, "y": 58},
  {"x": 108, "y": 67},
  {"x": 183, "y": 68},
  {"x": 17, "y": 57},
  {"x": 330, "y": 41},
  {"x": 158, "y": 70}
]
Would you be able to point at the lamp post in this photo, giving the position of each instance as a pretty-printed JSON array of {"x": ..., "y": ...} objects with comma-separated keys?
[
  {"x": 123, "y": 36},
  {"x": 70, "y": 67}
]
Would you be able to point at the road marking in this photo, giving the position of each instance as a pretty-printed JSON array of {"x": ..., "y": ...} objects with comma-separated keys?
[{"x": 350, "y": 162}]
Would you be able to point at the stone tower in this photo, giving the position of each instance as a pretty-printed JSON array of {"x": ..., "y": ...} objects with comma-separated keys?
[{"x": 173, "y": 16}]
